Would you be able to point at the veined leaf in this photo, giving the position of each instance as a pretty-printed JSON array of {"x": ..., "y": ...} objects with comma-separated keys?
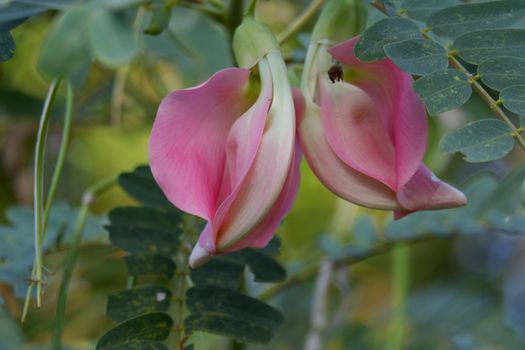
[
  {"x": 422, "y": 9},
  {"x": 150, "y": 264},
  {"x": 387, "y": 31},
  {"x": 417, "y": 56},
  {"x": 513, "y": 98},
  {"x": 501, "y": 72},
  {"x": 443, "y": 90},
  {"x": 137, "y": 301},
  {"x": 480, "y": 141},
  {"x": 479, "y": 46},
  {"x": 457, "y": 20},
  {"x": 154, "y": 326},
  {"x": 141, "y": 185},
  {"x": 7, "y": 46}
]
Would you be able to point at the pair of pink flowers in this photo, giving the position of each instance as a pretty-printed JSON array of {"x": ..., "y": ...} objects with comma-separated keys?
[{"x": 227, "y": 150}]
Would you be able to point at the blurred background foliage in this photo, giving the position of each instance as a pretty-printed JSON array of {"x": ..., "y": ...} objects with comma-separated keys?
[{"x": 467, "y": 288}]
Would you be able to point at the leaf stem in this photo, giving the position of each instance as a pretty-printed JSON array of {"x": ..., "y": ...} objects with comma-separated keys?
[
  {"x": 300, "y": 21},
  {"x": 478, "y": 88},
  {"x": 87, "y": 199},
  {"x": 38, "y": 190},
  {"x": 400, "y": 284}
]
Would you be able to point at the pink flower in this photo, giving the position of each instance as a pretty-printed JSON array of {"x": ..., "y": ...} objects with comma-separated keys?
[
  {"x": 225, "y": 151},
  {"x": 365, "y": 136}
]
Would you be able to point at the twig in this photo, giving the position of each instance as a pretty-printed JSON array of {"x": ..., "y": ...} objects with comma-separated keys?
[{"x": 300, "y": 21}]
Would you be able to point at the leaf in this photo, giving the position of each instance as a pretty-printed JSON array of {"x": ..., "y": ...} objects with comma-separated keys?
[
  {"x": 417, "y": 56},
  {"x": 12, "y": 15},
  {"x": 389, "y": 30},
  {"x": 141, "y": 185},
  {"x": 167, "y": 220},
  {"x": 443, "y": 90},
  {"x": 150, "y": 264},
  {"x": 513, "y": 98},
  {"x": 154, "y": 326},
  {"x": 263, "y": 267},
  {"x": 479, "y": 46},
  {"x": 65, "y": 51},
  {"x": 501, "y": 72},
  {"x": 11, "y": 336},
  {"x": 422, "y": 9},
  {"x": 230, "y": 313},
  {"x": 137, "y": 301},
  {"x": 480, "y": 141},
  {"x": 457, "y": 20},
  {"x": 221, "y": 271},
  {"x": 111, "y": 38},
  {"x": 508, "y": 195},
  {"x": 139, "y": 239},
  {"x": 7, "y": 46},
  {"x": 364, "y": 232}
]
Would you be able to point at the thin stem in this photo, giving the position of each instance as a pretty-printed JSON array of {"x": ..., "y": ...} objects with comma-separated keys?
[
  {"x": 400, "y": 285},
  {"x": 38, "y": 190},
  {"x": 87, "y": 199},
  {"x": 301, "y": 21},
  {"x": 235, "y": 13},
  {"x": 188, "y": 232},
  {"x": 478, "y": 88}
]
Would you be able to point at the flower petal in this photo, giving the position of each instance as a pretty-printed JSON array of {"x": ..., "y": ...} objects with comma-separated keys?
[
  {"x": 188, "y": 140},
  {"x": 355, "y": 132},
  {"x": 267, "y": 177},
  {"x": 425, "y": 191},
  {"x": 401, "y": 110},
  {"x": 341, "y": 179}
]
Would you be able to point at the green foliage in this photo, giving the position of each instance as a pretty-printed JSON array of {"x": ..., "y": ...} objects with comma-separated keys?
[
  {"x": 17, "y": 248},
  {"x": 7, "y": 46},
  {"x": 422, "y": 9},
  {"x": 457, "y": 20},
  {"x": 480, "y": 141},
  {"x": 159, "y": 19},
  {"x": 149, "y": 327},
  {"x": 443, "y": 90},
  {"x": 418, "y": 56},
  {"x": 10, "y": 334},
  {"x": 150, "y": 264},
  {"x": 501, "y": 72},
  {"x": 476, "y": 47},
  {"x": 140, "y": 185},
  {"x": 231, "y": 313},
  {"x": 513, "y": 98},
  {"x": 138, "y": 301},
  {"x": 387, "y": 31}
]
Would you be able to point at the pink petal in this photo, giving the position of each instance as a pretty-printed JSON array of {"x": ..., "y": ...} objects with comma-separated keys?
[
  {"x": 238, "y": 216},
  {"x": 341, "y": 179},
  {"x": 401, "y": 110},
  {"x": 425, "y": 191},
  {"x": 261, "y": 235},
  {"x": 187, "y": 147},
  {"x": 355, "y": 132}
]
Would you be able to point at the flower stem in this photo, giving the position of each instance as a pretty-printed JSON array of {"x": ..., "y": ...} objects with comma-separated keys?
[
  {"x": 87, "y": 199},
  {"x": 400, "y": 285},
  {"x": 38, "y": 190},
  {"x": 300, "y": 21}
]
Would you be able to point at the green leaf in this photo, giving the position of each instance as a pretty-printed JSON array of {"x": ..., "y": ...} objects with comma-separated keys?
[
  {"x": 508, "y": 195},
  {"x": 501, "y": 72},
  {"x": 443, "y": 90},
  {"x": 364, "y": 232},
  {"x": 418, "y": 56},
  {"x": 158, "y": 218},
  {"x": 263, "y": 267},
  {"x": 141, "y": 185},
  {"x": 65, "y": 51},
  {"x": 139, "y": 239},
  {"x": 11, "y": 336},
  {"x": 222, "y": 271},
  {"x": 154, "y": 326},
  {"x": 12, "y": 15},
  {"x": 150, "y": 264},
  {"x": 480, "y": 141},
  {"x": 138, "y": 345},
  {"x": 422, "y": 9},
  {"x": 112, "y": 39},
  {"x": 134, "y": 302},
  {"x": 457, "y": 20},
  {"x": 389, "y": 30},
  {"x": 7, "y": 46},
  {"x": 479, "y": 46},
  {"x": 159, "y": 19},
  {"x": 230, "y": 313},
  {"x": 513, "y": 98}
]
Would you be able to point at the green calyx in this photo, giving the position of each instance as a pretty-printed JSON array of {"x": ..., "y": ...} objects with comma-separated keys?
[
  {"x": 340, "y": 20},
  {"x": 252, "y": 41}
]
